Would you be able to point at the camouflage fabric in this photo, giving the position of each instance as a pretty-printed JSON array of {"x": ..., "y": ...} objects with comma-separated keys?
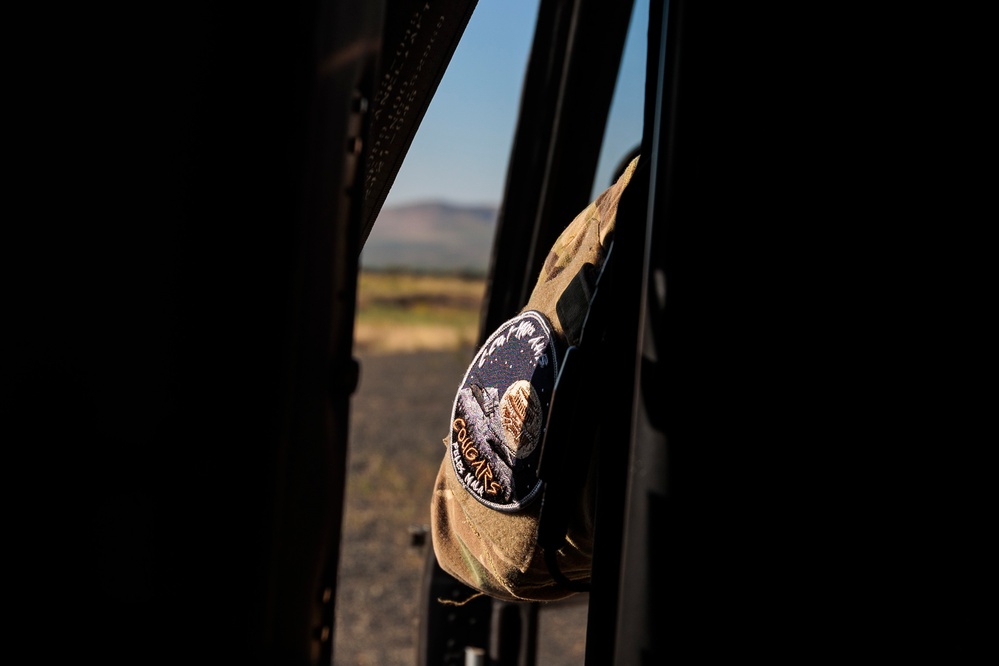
[{"x": 497, "y": 552}]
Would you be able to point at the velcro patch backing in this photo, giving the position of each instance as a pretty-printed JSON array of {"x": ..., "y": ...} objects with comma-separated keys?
[{"x": 500, "y": 411}]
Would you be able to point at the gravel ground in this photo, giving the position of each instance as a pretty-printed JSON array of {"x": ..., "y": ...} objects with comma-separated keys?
[{"x": 399, "y": 417}]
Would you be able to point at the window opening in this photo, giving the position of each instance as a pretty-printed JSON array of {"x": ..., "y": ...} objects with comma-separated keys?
[{"x": 420, "y": 292}]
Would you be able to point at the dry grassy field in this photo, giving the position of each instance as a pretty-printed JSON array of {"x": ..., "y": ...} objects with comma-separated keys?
[
  {"x": 399, "y": 312},
  {"x": 416, "y": 337}
]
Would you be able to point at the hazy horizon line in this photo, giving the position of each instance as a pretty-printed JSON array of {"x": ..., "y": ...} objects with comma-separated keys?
[{"x": 430, "y": 201}]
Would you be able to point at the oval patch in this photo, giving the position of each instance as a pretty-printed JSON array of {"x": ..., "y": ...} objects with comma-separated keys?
[{"x": 500, "y": 411}]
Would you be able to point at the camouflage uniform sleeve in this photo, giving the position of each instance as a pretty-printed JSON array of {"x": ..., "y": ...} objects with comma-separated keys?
[{"x": 497, "y": 552}]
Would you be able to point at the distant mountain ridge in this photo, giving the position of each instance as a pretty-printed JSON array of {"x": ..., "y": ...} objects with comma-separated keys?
[{"x": 432, "y": 236}]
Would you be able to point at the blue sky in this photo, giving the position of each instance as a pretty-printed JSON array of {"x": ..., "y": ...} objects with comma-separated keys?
[{"x": 461, "y": 150}]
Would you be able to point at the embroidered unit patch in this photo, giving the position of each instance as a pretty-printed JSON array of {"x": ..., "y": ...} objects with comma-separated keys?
[{"x": 500, "y": 411}]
